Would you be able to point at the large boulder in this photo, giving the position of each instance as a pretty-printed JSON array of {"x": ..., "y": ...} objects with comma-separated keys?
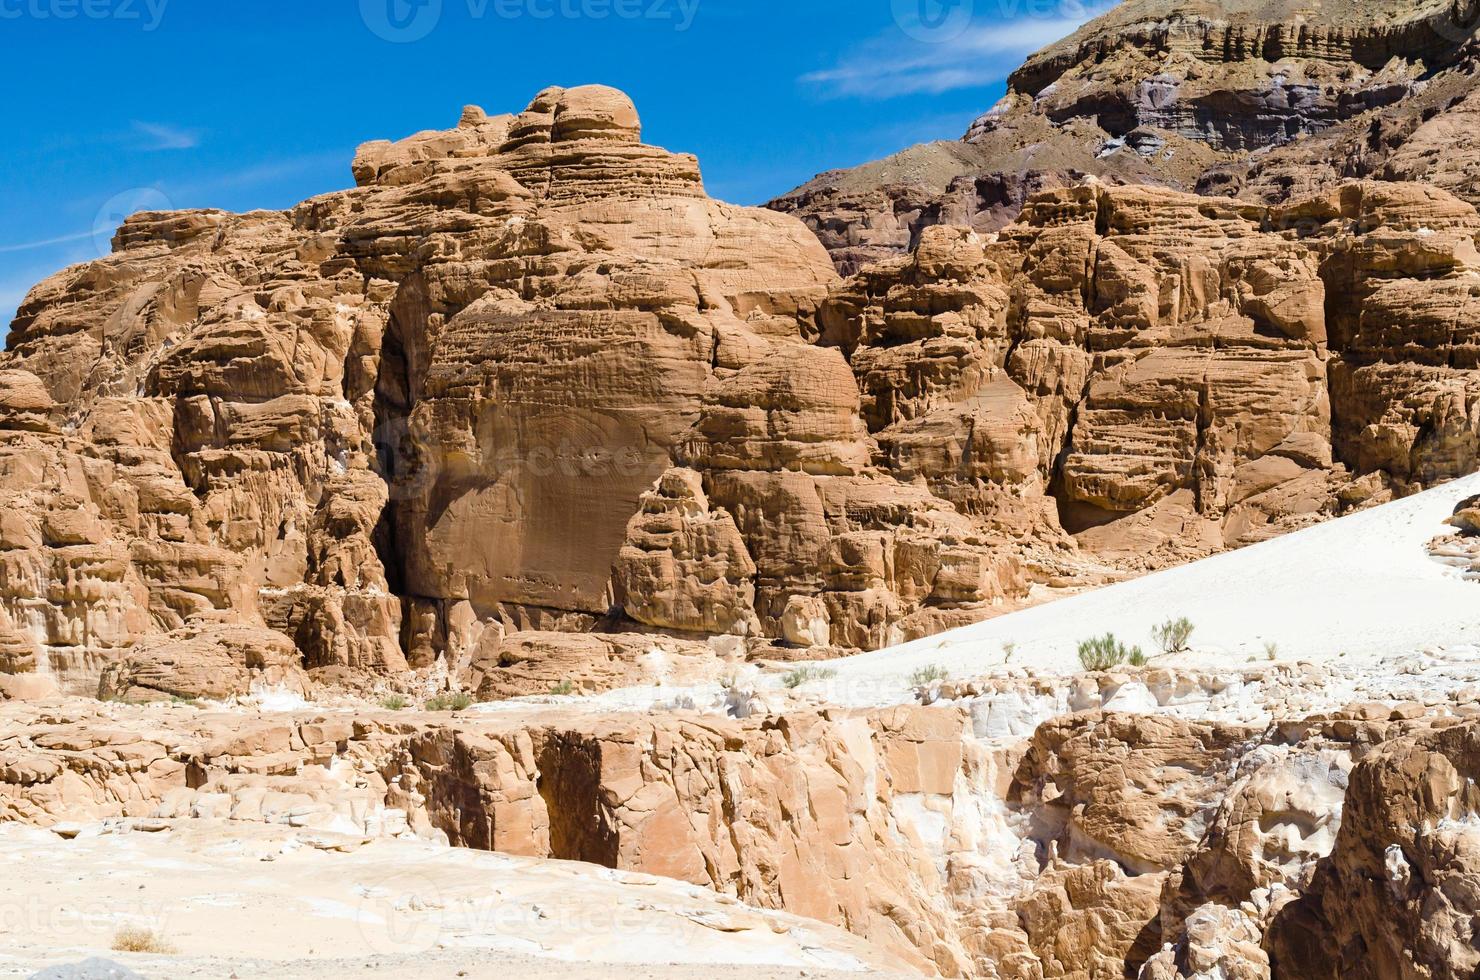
[{"x": 213, "y": 662}]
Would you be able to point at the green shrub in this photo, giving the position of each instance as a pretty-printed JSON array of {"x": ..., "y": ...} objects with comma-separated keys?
[
  {"x": 563, "y": 690},
  {"x": 928, "y": 675},
  {"x": 1009, "y": 650},
  {"x": 806, "y": 675},
  {"x": 394, "y": 702},
  {"x": 450, "y": 702},
  {"x": 1105, "y": 652},
  {"x": 1172, "y": 636}
]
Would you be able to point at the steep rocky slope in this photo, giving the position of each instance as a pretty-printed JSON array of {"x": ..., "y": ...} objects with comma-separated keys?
[
  {"x": 1183, "y": 94},
  {"x": 1193, "y": 818},
  {"x": 1179, "y": 374},
  {"x": 1428, "y": 136}
]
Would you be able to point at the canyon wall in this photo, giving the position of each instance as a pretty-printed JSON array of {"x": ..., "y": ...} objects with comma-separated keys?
[{"x": 527, "y": 380}]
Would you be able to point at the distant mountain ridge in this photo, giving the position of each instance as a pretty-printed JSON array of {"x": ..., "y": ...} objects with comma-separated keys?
[{"x": 1264, "y": 98}]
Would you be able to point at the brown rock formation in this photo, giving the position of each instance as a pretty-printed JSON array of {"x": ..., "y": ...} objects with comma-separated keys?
[
  {"x": 1393, "y": 897},
  {"x": 526, "y": 374},
  {"x": 215, "y": 662},
  {"x": 1185, "y": 94},
  {"x": 1107, "y": 845},
  {"x": 1178, "y": 374}
]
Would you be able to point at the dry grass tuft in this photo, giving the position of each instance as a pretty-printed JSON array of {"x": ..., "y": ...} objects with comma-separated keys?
[{"x": 134, "y": 939}]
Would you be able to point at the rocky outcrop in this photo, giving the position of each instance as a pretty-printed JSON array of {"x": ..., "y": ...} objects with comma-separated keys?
[
  {"x": 1166, "y": 375},
  {"x": 217, "y": 662},
  {"x": 1391, "y": 898},
  {"x": 1427, "y": 136},
  {"x": 528, "y": 377},
  {"x": 1278, "y": 101},
  {"x": 526, "y": 374},
  {"x": 1087, "y": 844}
]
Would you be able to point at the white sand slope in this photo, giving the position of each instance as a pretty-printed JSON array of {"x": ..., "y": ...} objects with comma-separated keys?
[{"x": 1362, "y": 587}]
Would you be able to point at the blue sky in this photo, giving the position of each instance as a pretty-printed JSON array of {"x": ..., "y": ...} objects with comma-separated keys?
[{"x": 122, "y": 105}]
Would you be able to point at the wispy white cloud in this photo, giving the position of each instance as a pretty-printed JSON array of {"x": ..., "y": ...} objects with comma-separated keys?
[
  {"x": 162, "y": 136},
  {"x": 46, "y": 242},
  {"x": 157, "y": 198},
  {"x": 896, "y": 64}
]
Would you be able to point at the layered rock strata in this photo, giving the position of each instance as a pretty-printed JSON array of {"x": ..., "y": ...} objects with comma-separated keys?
[
  {"x": 528, "y": 379},
  {"x": 1175, "y": 374},
  {"x": 1274, "y": 99}
]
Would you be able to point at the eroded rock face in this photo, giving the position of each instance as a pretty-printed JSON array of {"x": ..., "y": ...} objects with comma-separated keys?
[
  {"x": 1273, "y": 99},
  {"x": 1166, "y": 375},
  {"x": 218, "y": 662},
  {"x": 526, "y": 374},
  {"x": 1428, "y": 136},
  {"x": 1394, "y": 898},
  {"x": 1106, "y": 844}
]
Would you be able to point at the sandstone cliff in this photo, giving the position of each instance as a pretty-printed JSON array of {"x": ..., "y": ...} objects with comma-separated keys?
[
  {"x": 526, "y": 374},
  {"x": 528, "y": 380},
  {"x": 1178, "y": 374}
]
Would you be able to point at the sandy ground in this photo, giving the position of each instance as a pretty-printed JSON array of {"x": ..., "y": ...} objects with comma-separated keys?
[
  {"x": 444, "y": 965},
  {"x": 1362, "y": 587},
  {"x": 255, "y": 901}
]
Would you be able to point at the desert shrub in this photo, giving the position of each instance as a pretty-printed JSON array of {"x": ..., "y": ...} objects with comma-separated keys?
[
  {"x": 135, "y": 939},
  {"x": 450, "y": 702},
  {"x": 1271, "y": 650},
  {"x": 394, "y": 702},
  {"x": 1104, "y": 652},
  {"x": 1009, "y": 650},
  {"x": 1172, "y": 636},
  {"x": 806, "y": 675},
  {"x": 563, "y": 690},
  {"x": 928, "y": 675}
]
